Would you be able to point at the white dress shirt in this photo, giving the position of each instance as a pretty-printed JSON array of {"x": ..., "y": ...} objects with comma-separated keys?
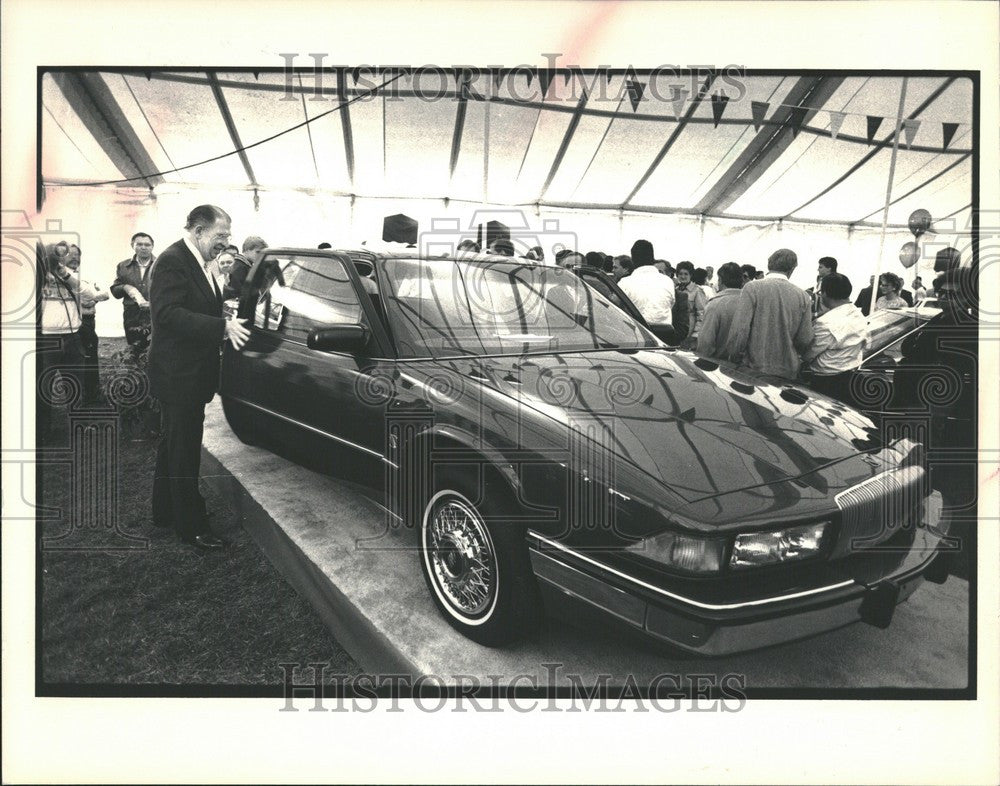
[
  {"x": 839, "y": 338},
  {"x": 652, "y": 293},
  {"x": 213, "y": 284}
]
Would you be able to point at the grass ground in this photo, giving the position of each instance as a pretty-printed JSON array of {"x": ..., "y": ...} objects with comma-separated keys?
[{"x": 166, "y": 613}]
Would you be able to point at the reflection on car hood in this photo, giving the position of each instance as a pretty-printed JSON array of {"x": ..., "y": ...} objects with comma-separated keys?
[{"x": 699, "y": 428}]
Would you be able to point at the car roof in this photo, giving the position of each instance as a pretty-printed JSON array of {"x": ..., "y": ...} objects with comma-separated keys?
[{"x": 376, "y": 255}]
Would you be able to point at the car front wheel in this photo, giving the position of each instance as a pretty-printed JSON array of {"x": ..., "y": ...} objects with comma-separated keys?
[{"x": 476, "y": 565}]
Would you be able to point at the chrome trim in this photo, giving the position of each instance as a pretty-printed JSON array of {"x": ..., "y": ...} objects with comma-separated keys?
[
  {"x": 681, "y": 598},
  {"x": 327, "y": 434},
  {"x": 877, "y": 508}
]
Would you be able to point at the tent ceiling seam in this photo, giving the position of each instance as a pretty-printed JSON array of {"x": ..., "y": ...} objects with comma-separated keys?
[
  {"x": 234, "y": 134},
  {"x": 887, "y": 141}
]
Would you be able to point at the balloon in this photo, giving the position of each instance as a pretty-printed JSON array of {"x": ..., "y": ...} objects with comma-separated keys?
[
  {"x": 920, "y": 222},
  {"x": 909, "y": 254}
]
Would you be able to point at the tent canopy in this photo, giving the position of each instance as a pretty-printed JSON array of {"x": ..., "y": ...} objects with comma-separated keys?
[{"x": 792, "y": 147}]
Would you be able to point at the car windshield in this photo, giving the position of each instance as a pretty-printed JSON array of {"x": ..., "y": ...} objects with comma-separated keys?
[
  {"x": 442, "y": 308},
  {"x": 887, "y": 326}
]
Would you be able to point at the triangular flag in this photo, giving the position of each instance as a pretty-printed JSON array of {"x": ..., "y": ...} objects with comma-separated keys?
[
  {"x": 798, "y": 117},
  {"x": 718, "y": 107},
  {"x": 566, "y": 75},
  {"x": 497, "y": 79},
  {"x": 873, "y": 123},
  {"x": 678, "y": 97},
  {"x": 759, "y": 111},
  {"x": 545, "y": 79},
  {"x": 635, "y": 91},
  {"x": 910, "y": 130},
  {"x": 948, "y": 131},
  {"x": 530, "y": 73},
  {"x": 836, "y": 121}
]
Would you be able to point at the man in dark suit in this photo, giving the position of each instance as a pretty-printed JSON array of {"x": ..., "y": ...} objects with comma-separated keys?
[
  {"x": 864, "y": 298},
  {"x": 188, "y": 329}
]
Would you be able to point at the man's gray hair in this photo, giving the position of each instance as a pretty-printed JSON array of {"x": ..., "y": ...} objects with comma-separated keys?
[
  {"x": 252, "y": 243},
  {"x": 782, "y": 261},
  {"x": 205, "y": 216}
]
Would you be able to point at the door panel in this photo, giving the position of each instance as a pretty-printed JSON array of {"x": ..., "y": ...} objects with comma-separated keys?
[{"x": 314, "y": 401}]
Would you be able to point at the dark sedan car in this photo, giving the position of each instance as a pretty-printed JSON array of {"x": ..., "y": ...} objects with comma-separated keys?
[{"x": 540, "y": 440}]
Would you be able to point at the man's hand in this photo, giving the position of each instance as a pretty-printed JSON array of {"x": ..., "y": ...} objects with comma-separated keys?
[
  {"x": 136, "y": 295},
  {"x": 237, "y": 332}
]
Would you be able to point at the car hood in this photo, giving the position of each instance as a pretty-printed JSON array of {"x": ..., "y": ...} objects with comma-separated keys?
[{"x": 699, "y": 428}]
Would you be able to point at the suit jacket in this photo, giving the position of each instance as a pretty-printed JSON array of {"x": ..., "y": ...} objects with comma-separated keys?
[
  {"x": 188, "y": 329},
  {"x": 129, "y": 272},
  {"x": 864, "y": 300}
]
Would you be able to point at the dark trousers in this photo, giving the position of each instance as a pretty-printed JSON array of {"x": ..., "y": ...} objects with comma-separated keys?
[
  {"x": 177, "y": 501},
  {"x": 137, "y": 330},
  {"x": 59, "y": 367},
  {"x": 91, "y": 364}
]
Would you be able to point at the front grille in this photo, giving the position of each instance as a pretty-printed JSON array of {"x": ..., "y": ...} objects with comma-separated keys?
[{"x": 875, "y": 510}]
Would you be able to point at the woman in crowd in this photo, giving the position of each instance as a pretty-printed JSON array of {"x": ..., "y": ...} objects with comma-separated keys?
[{"x": 889, "y": 286}]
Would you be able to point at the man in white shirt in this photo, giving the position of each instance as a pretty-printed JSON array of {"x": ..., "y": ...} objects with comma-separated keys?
[
  {"x": 649, "y": 290},
  {"x": 839, "y": 338}
]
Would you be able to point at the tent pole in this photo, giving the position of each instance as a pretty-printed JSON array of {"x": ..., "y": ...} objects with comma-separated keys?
[{"x": 888, "y": 199}]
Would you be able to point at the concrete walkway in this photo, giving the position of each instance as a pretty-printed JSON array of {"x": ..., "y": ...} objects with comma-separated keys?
[{"x": 365, "y": 583}]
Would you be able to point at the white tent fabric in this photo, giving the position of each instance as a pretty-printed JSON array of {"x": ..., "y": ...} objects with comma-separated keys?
[{"x": 576, "y": 166}]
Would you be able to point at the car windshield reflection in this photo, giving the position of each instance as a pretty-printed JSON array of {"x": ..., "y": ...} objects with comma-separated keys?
[{"x": 441, "y": 309}]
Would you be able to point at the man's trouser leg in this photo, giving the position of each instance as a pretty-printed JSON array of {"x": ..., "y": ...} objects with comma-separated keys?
[
  {"x": 91, "y": 371},
  {"x": 177, "y": 500}
]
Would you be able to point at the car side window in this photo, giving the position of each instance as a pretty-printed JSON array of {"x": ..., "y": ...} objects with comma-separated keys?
[{"x": 307, "y": 293}]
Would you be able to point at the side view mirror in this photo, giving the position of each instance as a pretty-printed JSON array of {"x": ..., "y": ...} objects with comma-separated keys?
[{"x": 339, "y": 338}]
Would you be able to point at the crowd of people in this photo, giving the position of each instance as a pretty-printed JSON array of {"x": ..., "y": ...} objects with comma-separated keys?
[
  {"x": 68, "y": 308},
  {"x": 759, "y": 319},
  {"x": 174, "y": 324}
]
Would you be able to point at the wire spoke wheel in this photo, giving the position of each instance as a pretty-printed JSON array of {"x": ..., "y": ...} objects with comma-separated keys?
[{"x": 462, "y": 559}]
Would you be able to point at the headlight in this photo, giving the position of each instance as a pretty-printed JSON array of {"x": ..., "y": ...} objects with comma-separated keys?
[
  {"x": 682, "y": 552},
  {"x": 771, "y": 548}
]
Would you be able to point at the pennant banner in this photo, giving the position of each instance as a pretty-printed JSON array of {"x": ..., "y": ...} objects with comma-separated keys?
[
  {"x": 836, "y": 121},
  {"x": 798, "y": 117},
  {"x": 910, "y": 131},
  {"x": 545, "y": 79},
  {"x": 948, "y": 132},
  {"x": 678, "y": 97},
  {"x": 873, "y": 124},
  {"x": 718, "y": 107},
  {"x": 498, "y": 78},
  {"x": 759, "y": 111},
  {"x": 635, "y": 91}
]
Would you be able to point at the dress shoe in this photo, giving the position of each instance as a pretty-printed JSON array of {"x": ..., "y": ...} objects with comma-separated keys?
[{"x": 207, "y": 542}]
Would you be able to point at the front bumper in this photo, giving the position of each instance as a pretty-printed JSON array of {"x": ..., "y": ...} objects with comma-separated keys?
[{"x": 749, "y": 622}]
